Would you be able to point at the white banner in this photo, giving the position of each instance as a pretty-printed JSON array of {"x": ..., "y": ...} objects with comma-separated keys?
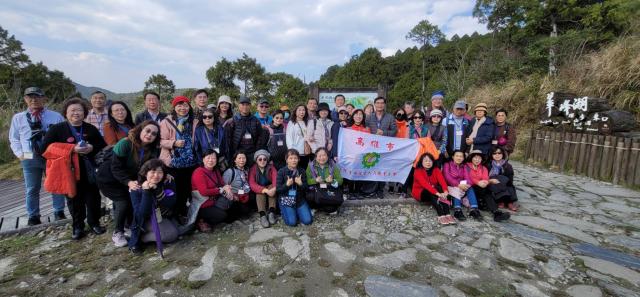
[{"x": 364, "y": 156}]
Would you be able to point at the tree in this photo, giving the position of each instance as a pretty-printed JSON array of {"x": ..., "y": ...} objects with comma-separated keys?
[
  {"x": 287, "y": 88},
  {"x": 221, "y": 77},
  {"x": 426, "y": 35},
  {"x": 160, "y": 84},
  {"x": 253, "y": 75},
  {"x": 11, "y": 51}
]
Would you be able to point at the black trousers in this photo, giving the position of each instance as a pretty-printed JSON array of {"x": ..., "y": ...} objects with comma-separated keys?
[
  {"x": 239, "y": 211},
  {"x": 122, "y": 213},
  {"x": 182, "y": 177},
  {"x": 485, "y": 198},
  {"x": 212, "y": 215},
  {"x": 86, "y": 205},
  {"x": 442, "y": 209}
]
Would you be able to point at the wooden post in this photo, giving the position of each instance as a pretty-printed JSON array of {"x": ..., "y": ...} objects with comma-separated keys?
[
  {"x": 636, "y": 179},
  {"x": 557, "y": 154},
  {"x": 594, "y": 162},
  {"x": 573, "y": 156},
  {"x": 626, "y": 150},
  {"x": 527, "y": 152},
  {"x": 551, "y": 146},
  {"x": 632, "y": 169},
  {"x": 545, "y": 148},
  {"x": 605, "y": 173},
  {"x": 582, "y": 147},
  {"x": 564, "y": 151},
  {"x": 617, "y": 160}
]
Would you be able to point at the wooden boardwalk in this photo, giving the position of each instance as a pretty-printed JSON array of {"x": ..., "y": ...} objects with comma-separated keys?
[{"x": 13, "y": 211}]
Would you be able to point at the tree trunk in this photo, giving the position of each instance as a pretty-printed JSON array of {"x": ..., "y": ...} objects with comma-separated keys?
[{"x": 553, "y": 70}]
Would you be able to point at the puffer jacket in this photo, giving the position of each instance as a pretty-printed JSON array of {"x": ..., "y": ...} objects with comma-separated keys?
[{"x": 62, "y": 170}]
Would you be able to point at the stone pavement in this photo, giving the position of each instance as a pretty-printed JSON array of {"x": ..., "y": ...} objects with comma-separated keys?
[{"x": 572, "y": 237}]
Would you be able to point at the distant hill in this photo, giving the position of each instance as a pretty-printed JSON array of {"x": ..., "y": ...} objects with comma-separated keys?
[{"x": 87, "y": 91}]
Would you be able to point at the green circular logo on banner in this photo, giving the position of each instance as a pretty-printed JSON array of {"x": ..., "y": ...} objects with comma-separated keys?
[{"x": 370, "y": 159}]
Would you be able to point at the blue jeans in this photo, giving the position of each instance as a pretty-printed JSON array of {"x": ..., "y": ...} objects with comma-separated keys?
[
  {"x": 33, "y": 170},
  {"x": 471, "y": 195},
  {"x": 291, "y": 215}
]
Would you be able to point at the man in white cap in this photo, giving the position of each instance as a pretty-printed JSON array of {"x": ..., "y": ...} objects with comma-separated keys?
[{"x": 25, "y": 135}]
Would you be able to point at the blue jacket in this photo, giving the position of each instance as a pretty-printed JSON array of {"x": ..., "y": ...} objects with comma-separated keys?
[
  {"x": 483, "y": 138},
  {"x": 209, "y": 140}
]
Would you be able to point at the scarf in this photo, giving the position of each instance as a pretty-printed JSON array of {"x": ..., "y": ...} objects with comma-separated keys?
[
  {"x": 181, "y": 123},
  {"x": 36, "y": 114},
  {"x": 476, "y": 127},
  {"x": 496, "y": 167}
]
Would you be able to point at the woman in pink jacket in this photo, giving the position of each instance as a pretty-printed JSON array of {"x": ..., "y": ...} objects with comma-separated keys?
[
  {"x": 478, "y": 176},
  {"x": 460, "y": 188}
]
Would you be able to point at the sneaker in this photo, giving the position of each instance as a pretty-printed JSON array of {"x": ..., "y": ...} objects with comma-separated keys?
[
  {"x": 137, "y": 250},
  {"x": 118, "y": 239},
  {"x": 264, "y": 221},
  {"x": 475, "y": 213},
  {"x": 271, "y": 217},
  {"x": 59, "y": 215},
  {"x": 459, "y": 215},
  {"x": 34, "y": 221},
  {"x": 512, "y": 206},
  {"x": 443, "y": 220},
  {"x": 403, "y": 195},
  {"x": 203, "y": 226},
  {"x": 499, "y": 216},
  {"x": 452, "y": 220}
]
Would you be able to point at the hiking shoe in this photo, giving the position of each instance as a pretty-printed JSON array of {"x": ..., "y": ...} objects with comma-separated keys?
[
  {"x": 499, "y": 216},
  {"x": 34, "y": 221},
  {"x": 443, "y": 220},
  {"x": 137, "y": 250},
  {"x": 77, "y": 234},
  {"x": 271, "y": 217},
  {"x": 97, "y": 229},
  {"x": 475, "y": 213},
  {"x": 264, "y": 221},
  {"x": 452, "y": 220},
  {"x": 59, "y": 215},
  {"x": 118, "y": 239},
  {"x": 459, "y": 215},
  {"x": 403, "y": 195}
]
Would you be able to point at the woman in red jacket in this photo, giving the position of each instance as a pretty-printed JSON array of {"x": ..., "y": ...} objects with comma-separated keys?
[
  {"x": 478, "y": 176},
  {"x": 429, "y": 186},
  {"x": 262, "y": 181},
  {"x": 208, "y": 181}
]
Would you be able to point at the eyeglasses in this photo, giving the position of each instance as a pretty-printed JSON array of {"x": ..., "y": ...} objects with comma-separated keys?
[
  {"x": 399, "y": 114},
  {"x": 205, "y": 117},
  {"x": 149, "y": 131},
  {"x": 278, "y": 118},
  {"x": 262, "y": 159},
  {"x": 343, "y": 112},
  {"x": 436, "y": 116},
  {"x": 264, "y": 106}
]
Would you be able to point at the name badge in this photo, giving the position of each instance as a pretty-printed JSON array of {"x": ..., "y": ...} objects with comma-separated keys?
[
  {"x": 463, "y": 182},
  {"x": 323, "y": 186},
  {"x": 247, "y": 136},
  {"x": 27, "y": 155},
  {"x": 240, "y": 192},
  {"x": 292, "y": 192},
  {"x": 158, "y": 215},
  {"x": 280, "y": 143},
  {"x": 494, "y": 142},
  {"x": 459, "y": 133}
]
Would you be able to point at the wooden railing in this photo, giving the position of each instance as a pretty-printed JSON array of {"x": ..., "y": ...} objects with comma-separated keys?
[{"x": 609, "y": 158}]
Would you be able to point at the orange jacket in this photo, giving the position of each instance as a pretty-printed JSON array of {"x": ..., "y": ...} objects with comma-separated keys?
[
  {"x": 403, "y": 129},
  {"x": 426, "y": 146},
  {"x": 63, "y": 169}
]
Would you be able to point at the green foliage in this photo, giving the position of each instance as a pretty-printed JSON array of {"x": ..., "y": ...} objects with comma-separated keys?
[
  {"x": 160, "y": 84},
  {"x": 424, "y": 33}
]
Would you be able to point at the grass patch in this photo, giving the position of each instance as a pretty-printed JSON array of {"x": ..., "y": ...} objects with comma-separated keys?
[
  {"x": 338, "y": 282},
  {"x": 297, "y": 274},
  {"x": 541, "y": 258},
  {"x": 299, "y": 293},
  {"x": 16, "y": 245},
  {"x": 399, "y": 274},
  {"x": 411, "y": 267}
]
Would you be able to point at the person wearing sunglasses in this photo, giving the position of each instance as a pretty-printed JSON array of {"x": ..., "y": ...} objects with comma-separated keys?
[
  {"x": 118, "y": 175},
  {"x": 342, "y": 122},
  {"x": 418, "y": 129},
  {"x": 402, "y": 122},
  {"x": 263, "y": 113},
  {"x": 209, "y": 135},
  {"x": 262, "y": 181},
  {"x": 501, "y": 180}
]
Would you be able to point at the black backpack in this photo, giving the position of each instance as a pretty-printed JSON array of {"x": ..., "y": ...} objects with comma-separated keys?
[{"x": 103, "y": 155}]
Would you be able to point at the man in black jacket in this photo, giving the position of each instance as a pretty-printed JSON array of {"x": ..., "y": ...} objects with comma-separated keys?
[
  {"x": 245, "y": 133},
  {"x": 152, "y": 109}
]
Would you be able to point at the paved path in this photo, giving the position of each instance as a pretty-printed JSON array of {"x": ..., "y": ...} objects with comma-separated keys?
[
  {"x": 13, "y": 213},
  {"x": 572, "y": 237}
]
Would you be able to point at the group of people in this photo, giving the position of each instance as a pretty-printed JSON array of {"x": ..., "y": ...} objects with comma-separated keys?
[{"x": 203, "y": 164}]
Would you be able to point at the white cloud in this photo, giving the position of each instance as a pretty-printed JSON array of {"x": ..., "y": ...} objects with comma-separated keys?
[{"x": 129, "y": 40}]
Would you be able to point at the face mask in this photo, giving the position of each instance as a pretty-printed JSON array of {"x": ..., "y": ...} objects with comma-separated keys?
[
  {"x": 286, "y": 115},
  {"x": 401, "y": 117}
]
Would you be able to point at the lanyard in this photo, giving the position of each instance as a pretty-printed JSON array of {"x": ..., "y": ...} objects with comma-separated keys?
[
  {"x": 141, "y": 155},
  {"x": 77, "y": 136},
  {"x": 206, "y": 134},
  {"x": 379, "y": 122}
]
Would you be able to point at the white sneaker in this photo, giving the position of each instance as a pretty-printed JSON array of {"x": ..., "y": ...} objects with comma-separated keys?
[{"x": 118, "y": 239}]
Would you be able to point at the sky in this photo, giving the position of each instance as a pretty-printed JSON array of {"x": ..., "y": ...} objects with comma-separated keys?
[{"x": 117, "y": 44}]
